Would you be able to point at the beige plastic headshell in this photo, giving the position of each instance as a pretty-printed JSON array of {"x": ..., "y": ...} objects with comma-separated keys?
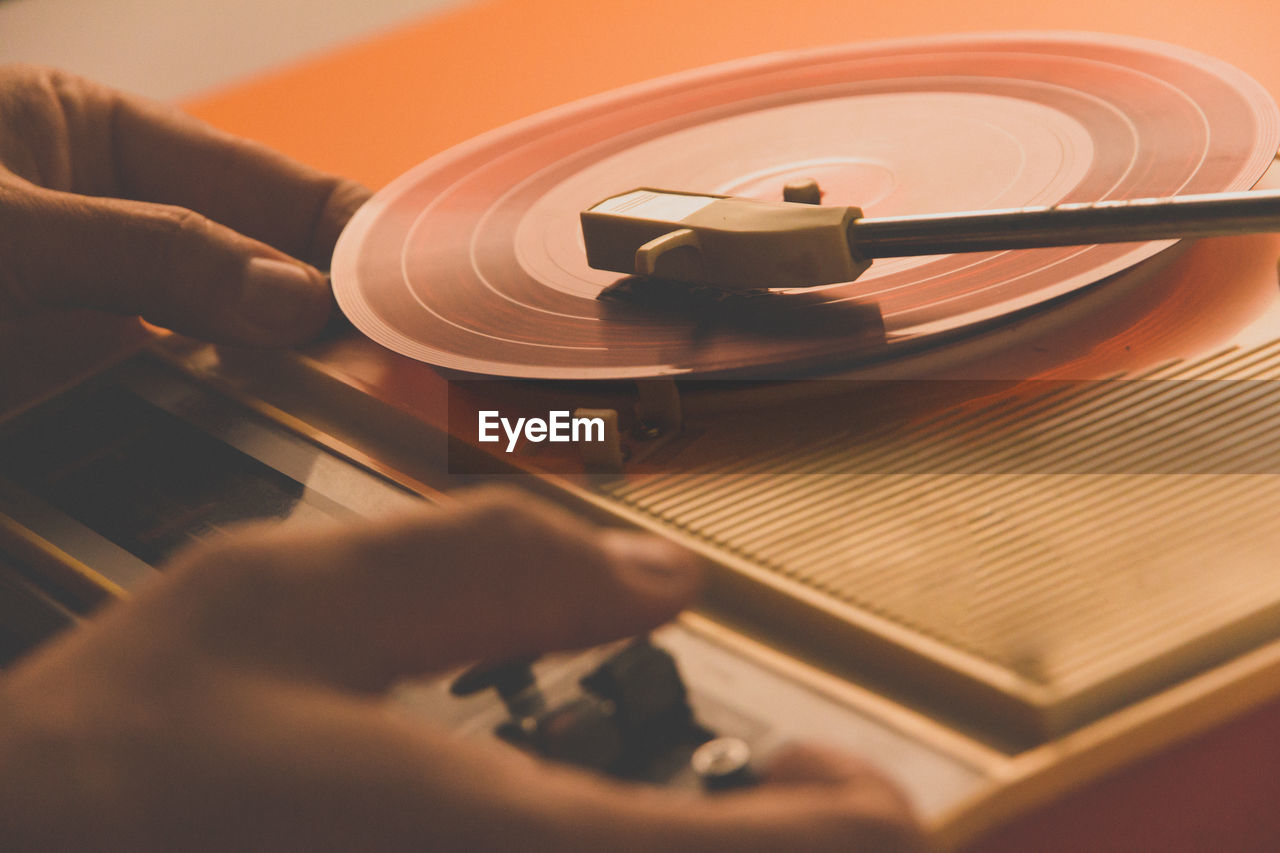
[{"x": 728, "y": 242}]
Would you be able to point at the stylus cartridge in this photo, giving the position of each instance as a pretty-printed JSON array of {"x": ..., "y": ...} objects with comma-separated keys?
[{"x": 729, "y": 242}]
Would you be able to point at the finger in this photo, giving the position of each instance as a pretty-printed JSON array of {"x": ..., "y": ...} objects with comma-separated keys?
[
  {"x": 800, "y": 764},
  {"x": 428, "y": 791},
  {"x": 176, "y": 268},
  {"x": 242, "y": 184},
  {"x": 810, "y": 799},
  {"x": 497, "y": 575},
  {"x": 140, "y": 149}
]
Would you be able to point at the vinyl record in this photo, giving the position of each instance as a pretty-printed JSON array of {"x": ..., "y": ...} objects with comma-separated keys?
[{"x": 474, "y": 260}]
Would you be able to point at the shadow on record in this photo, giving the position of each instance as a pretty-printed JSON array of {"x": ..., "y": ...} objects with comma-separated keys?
[{"x": 760, "y": 314}]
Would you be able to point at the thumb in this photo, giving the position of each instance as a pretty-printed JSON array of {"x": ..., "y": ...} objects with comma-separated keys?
[
  {"x": 495, "y": 576},
  {"x": 174, "y": 267}
]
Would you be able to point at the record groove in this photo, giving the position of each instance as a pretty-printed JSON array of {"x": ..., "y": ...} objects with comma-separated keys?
[{"x": 473, "y": 260}]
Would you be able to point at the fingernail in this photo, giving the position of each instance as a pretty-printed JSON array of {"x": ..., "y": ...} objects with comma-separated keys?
[
  {"x": 654, "y": 559},
  {"x": 278, "y": 295}
]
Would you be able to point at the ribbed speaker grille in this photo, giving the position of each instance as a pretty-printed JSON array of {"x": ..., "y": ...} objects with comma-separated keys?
[{"x": 1128, "y": 522}]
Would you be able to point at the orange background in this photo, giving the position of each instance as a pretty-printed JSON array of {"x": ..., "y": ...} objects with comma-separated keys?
[{"x": 373, "y": 109}]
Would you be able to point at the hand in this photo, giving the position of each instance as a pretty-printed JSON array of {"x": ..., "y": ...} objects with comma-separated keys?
[
  {"x": 116, "y": 203},
  {"x": 236, "y": 704}
]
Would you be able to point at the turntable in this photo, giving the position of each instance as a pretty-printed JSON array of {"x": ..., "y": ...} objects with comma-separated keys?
[{"x": 999, "y": 520}]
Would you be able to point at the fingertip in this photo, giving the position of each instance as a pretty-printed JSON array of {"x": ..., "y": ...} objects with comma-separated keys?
[
  {"x": 656, "y": 567},
  {"x": 344, "y": 200},
  {"x": 809, "y": 764},
  {"x": 282, "y": 302},
  {"x": 800, "y": 762}
]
